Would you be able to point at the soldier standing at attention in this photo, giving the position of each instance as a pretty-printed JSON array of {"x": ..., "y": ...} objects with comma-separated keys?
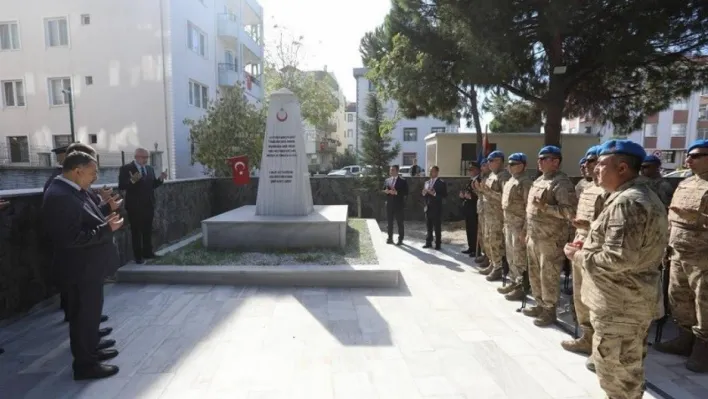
[
  {"x": 586, "y": 178},
  {"x": 550, "y": 208},
  {"x": 491, "y": 192},
  {"x": 619, "y": 258},
  {"x": 482, "y": 260},
  {"x": 514, "y": 197},
  {"x": 688, "y": 283},
  {"x": 590, "y": 204},
  {"x": 650, "y": 170}
]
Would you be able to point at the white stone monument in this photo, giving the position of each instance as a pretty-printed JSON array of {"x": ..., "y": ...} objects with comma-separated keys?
[{"x": 284, "y": 216}]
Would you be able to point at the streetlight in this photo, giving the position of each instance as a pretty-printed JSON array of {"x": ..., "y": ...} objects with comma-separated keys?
[{"x": 71, "y": 113}]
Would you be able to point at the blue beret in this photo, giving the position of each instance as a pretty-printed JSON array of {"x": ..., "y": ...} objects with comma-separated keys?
[
  {"x": 495, "y": 155},
  {"x": 592, "y": 151},
  {"x": 484, "y": 161},
  {"x": 652, "y": 159},
  {"x": 624, "y": 147},
  {"x": 550, "y": 150},
  {"x": 518, "y": 157},
  {"x": 582, "y": 161},
  {"x": 698, "y": 144}
]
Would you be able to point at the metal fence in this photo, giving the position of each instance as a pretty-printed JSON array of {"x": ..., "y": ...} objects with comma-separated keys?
[{"x": 16, "y": 152}]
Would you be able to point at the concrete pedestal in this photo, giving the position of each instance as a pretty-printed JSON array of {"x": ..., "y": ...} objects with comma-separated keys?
[{"x": 242, "y": 229}]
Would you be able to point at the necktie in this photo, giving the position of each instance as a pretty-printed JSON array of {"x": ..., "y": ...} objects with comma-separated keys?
[{"x": 142, "y": 170}]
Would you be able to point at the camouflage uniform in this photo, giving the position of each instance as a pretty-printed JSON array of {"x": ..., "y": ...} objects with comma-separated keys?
[
  {"x": 619, "y": 259},
  {"x": 547, "y": 233},
  {"x": 494, "y": 222},
  {"x": 688, "y": 283},
  {"x": 481, "y": 220},
  {"x": 582, "y": 185},
  {"x": 662, "y": 188},
  {"x": 514, "y": 198},
  {"x": 590, "y": 204}
]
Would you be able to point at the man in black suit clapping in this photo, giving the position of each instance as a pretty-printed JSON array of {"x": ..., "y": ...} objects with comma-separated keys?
[
  {"x": 139, "y": 182},
  {"x": 469, "y": 209},
  {"x": 396, "y": 190},
  {"x": 83, "y": 247},
  {"x": 433, "y": 193}
]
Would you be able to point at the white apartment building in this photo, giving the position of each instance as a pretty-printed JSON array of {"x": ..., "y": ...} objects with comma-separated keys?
[
  {"x": 410, "y": 133},
  {"x": 321, "y": 147},
  {"x": 135, "y": 70},
  {"x": 349, "y": 141},
  {"x": 665, "y": 134}
]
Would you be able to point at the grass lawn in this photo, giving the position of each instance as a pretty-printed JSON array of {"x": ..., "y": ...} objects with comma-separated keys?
[{"x": 359, "y": 251}]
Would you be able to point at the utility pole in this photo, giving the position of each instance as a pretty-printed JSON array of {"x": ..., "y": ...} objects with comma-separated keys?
[{"x": 71, "y": 113}]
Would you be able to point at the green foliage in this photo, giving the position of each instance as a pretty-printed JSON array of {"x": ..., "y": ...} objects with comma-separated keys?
[
  {"x": 376, "y": 149},
  {"x": 512, "y": 116},
  {"x": 612, "y": 60},
  {"x": 232, "y": 126},
  {"x": 345, "y": 159}
]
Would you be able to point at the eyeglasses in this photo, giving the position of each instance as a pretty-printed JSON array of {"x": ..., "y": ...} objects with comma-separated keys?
[{"x": 696, "y": 156}]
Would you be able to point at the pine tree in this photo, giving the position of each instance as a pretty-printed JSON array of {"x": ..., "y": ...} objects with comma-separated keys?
[{"x": 376, "y": 150}]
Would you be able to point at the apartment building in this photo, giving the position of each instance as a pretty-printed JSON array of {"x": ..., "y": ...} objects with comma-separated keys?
[
  {"x": 410, "y": 133},
  {"x": 349, "y": 141},
  {"x": 133, "y": 70},
  {"x": 665, "y": 134}
]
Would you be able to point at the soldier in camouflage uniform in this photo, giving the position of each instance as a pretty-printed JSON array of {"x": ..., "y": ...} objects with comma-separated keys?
[
  {"x": 619, "y": 257},
  {"x": 586, "y": 177},
  {"x": 688, "y": 246},
  {"x": 482, "y": 260},
  {"x": 514, "y": 197},
  {"x": 491, "y": 192},
  {"x": 652, "y": 175},
  {"x": 590, "y": 204},
  {"x": 549, "y": 211}
]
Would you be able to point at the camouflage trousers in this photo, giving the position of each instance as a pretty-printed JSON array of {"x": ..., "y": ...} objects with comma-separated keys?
[
  {"x": 618, "y": 346},
  {"x": 480, "y": 232},
  {"x": 546, "y": 259},
  {"x": 516, "y": 254},
  {"x": 494, "y": 240},
  {"x": 688, "y": 294},
  {"x": 582, "y": 313}
]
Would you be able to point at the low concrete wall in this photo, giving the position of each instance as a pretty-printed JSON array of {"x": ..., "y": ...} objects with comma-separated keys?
[{"x": 34, "y": 177}]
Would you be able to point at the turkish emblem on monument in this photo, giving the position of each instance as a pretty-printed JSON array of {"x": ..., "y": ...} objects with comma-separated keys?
[
  {"x": 281, "y": 115},
  {"x": 239, "y": 170}
]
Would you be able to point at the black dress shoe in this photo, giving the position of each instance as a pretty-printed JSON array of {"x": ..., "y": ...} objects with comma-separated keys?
[
  {"x": 104, "y": 331},
  {"x": 467, "y": 251},
  {"x": 106, "y": 354},
  {"x": 105, "y": 344},
  {"x": 389, "y": 241},
  {"x": 399, "y": 242},
  {"x": 427, "y": 246},
  {"x": 437, "y": 247},
  {"x": 104, "y": 318},
  {"x": 139, "y": 261},
  {"x": 95, "y": 372}
]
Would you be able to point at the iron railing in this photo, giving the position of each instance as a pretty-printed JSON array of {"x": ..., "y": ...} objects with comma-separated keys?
[{"x": 23, "y": 153}]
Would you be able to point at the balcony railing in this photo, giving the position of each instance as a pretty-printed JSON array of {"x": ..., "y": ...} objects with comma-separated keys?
[
  {"x": 228, "y": 74},
  {"x": 42, "y": 156},
  {"x": 327, "y": 146},
  {"x": 228, "y": 26}
]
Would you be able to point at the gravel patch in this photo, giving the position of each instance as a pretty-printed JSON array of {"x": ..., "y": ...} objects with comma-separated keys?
[
  {"x": 359, "y": 251},
  {"x": 453, "y": 233}
]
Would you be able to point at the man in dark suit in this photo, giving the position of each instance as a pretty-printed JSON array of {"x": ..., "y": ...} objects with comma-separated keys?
[
  {"x": 3, "y": 205},
  {"x": 60, "y": 153},
  {"x": 396, "y": 190},
  {"x": 83, "y": 245},
  {"x": 139, "y": 182},
  {"x": 469, "y": 209},
  {"x": 434, "y": 191}
]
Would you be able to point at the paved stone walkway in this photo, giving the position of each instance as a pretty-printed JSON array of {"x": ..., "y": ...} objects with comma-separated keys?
[{"x": 447, "y": 334}]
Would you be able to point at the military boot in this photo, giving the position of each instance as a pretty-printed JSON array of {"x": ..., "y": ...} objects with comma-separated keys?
[
  {"x": 486, "y": 270},
  {"x": 681, "y": 345},
  {"x": 698, "y": 361},
  {"x": 506, "y": 289},
  {"x": 590, "y": 364},
  {"x": 516, "y": 295},
  {"x": 495, "y": 275},
  {"x": 480, "y": 259},
  {"x": 546, "y": 318},
  {"x": 532, "y": 311},
  {"x": 581, "y": 345}
]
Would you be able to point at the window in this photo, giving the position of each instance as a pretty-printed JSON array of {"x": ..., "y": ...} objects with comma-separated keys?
[
  {"x": 409, "y": 158},
  {"x": 57, "y": 88},
  {"x": 680, "y": 104},
  {"x": 13, "y": 93},
  {"x": 350, "y": 117},
  {"x": 668, "y": 156},
  {"x": 9, "y": 36},
  {"x": 650, "y": 130},
  {"x": 350, "y": 147},
  {"x": 703, "y": 112},
  {"x": 93, "y": 138},
  {"x": 89, "y": 80},
  {"x": 438, "y": 129},
  {"x": 19, "y": 149},
  {"x": 678, "y": 129},
  {"x": 588, "y": 129},
  {"x": 704, "y": 91},
  {"x": 198, "y": 95},
  {"x": 196, "y": 40},
  {"x": 85, "y": 19},
  {"x": 350, "y": 133},
  {"x": 371, "y": 86},
  {"x": 61, "y": 140},
  {"x": 56, "y": 32},
  {"x": 156, "y": 161},
  {"x": 410, "y": 134},
  {"x": 702, "y": 133}
]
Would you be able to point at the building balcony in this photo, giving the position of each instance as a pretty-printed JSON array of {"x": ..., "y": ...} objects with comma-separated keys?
[
  {"x": 228, "y": 74},
  {"x": 228, "y": 27},
  {"x": 253, "y": 85},
  {"x": 251, "y": 44},
  {"x": 327, "y": 146}
]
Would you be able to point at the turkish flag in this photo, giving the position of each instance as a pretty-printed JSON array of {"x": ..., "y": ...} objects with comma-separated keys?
[{"x": 239, "y": 170}]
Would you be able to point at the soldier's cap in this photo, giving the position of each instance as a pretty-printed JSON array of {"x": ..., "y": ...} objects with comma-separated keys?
[
  {"x": 473, "y": 164},
  {"x": 518, "y": 157},
  {"x": 624, "y": 147},
  {"x": 495, "y": 155},
  {"x": 484, "y": 162},
  {"x": 698, "y": 144},
  {"x": 651, "y": 159},
  {"x": 60, "y": 150},
  {"x": 550, "y": 150},
  {"x": 582, "y": 161},
  {"x": 591, "y": 152}
]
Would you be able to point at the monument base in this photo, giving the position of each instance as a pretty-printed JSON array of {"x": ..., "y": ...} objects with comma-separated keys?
[{"x": 242, "y": 229}]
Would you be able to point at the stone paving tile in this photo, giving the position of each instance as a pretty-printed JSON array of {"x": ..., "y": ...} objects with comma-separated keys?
[{"x": 445, "y": 334}]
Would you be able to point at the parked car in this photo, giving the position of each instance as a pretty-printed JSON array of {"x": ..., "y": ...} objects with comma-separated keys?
[
  {"x": 680, "y": 173},
  {"x": 338, "y": 173},
  {"x": 405, "y": 171}
]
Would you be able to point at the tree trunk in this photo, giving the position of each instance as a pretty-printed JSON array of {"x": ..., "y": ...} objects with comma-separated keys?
[
  {"x": 554, "y": 113},
  {"x": 474, "y": 109}
]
